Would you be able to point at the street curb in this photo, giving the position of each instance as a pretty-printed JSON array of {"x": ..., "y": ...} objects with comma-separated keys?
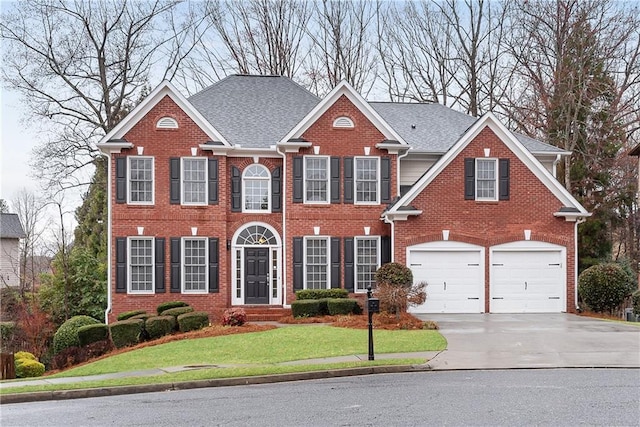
[{"x": 221, "y": 382}]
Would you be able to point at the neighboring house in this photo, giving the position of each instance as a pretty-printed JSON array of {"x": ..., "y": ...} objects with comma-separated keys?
[
  {"x": 10, "y": 234},
  {"x": 255, "y": 188}
]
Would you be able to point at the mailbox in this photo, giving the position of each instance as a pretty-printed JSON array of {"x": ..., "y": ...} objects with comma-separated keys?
[{"x": 373, "y": 305}]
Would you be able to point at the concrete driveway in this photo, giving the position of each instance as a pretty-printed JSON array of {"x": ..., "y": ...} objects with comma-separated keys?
[{"x": 498, "y": 341}]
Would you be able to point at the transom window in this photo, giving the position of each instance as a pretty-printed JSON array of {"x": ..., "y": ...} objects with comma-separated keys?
[
  {"x": 317, "y": 263},
  {"x": 194, "y": 181},
  {"x": 316, "y": 179},
  {"x": 256, "y": 181},
  {"x": 195, "y": 265},
  {"x": 486, "y": 182},
  {"x": 256, "y": 235},
  {"x": 141, "y": 265},
  {"x": 367, "y": 180},
  {"x": 141, "y": 180},
  {"x": 367, "y": 258}
]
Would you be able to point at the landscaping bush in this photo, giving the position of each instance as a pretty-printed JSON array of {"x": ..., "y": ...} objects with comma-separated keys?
[
  {"x": 170, "y": 304},
  {"x": 635, "y": 301},
  {"x": 129, "y": 314},
  {"x": 395, "y": 299},
  {"x": 337, "y": 306},
  {"x": 28, "y": 368},
  {"x": 305, "y": 308},
  {"x": 175, "y": 312},
  {"x": 67, "y": 334},
  {"x": 604, "y": 287},
  {"x": 75, "y": 355},
  {"x": 126, "y": 332},
  {"x": 24, "y": 355},
  {"x": 92, "y": 333},
  {"x": 160, "y": 326},
  {"x": 234, "y": 317},
  {"x": 395, "y": 274},
  {"x": 7, "y": 334},
  {"x": 307, "y": 294},
  {"x": 193, "y": 321}
]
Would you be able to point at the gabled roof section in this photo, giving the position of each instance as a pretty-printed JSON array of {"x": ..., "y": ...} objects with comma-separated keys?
[
  {"x": 510, "y": 140},
  {"x": 10, "y": 227},
  {"x": 254, "y": 111},
  {"x": 164, "y": 89},
  {"x": 344, "y": 88}
]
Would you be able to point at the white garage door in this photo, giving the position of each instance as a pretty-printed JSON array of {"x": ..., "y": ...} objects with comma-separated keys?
[
  {"x": 454, "y": 273},
  {"x": 528, "y": 277}
]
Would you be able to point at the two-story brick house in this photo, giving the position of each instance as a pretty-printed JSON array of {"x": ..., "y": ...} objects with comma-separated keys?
[{"x": 254, "y": 188}]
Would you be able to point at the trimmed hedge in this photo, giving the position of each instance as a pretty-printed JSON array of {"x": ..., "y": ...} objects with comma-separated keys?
[
  {"x": 175, "y": 312},
  {"x": 143, "y": 316},
  {"x": 168, "y": 305},
  {"x": 67, "y": 334},
  {"x": 126, "y": 332},
  {"x": 305, "y": 308},
  {"x": 23, "y": 355},
  {"x": 193, "y": 321},
  {"x": 337, "y": 306},
  {"x": 604, "y": 287},
  {"x": 160, "y": 326},
  {"x": 28, "y": 368},
  {"x": 635, "y": 301},
  {"x": 307, "y": 294},
  {"x": 129, "y": 314},
  {"x": 92, "y": 333}
]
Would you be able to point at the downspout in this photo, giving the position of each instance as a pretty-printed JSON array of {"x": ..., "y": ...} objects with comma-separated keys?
[
  {"x": 555, "y": 166},
  {"x": 109, "y": 239},
  {"x": 575, "y": 267},
  {"x": 400, "y": 156},
  {"x": 386, "y": 219},
  {"x": 284, "y": 226}
]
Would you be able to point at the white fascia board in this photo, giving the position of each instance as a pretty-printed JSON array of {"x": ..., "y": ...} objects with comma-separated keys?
[
  {"x": 113, "y": 147},
  {"x": 507, "y": 137},
  {"x": 235, "y": 151},
  {"x": 164, "y": 89},
  {"x": 344, "y": 88},
  {"x": 293, "y": 147}
]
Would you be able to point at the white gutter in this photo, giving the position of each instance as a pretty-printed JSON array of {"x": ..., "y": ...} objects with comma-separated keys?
[
  {"x": 109, "y": 240},
  {"x": 555, "y": 165},
  {"x": 285, "y": 264}
]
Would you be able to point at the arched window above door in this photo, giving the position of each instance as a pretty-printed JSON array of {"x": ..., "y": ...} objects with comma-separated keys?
[{"x": 256, "y": 235}]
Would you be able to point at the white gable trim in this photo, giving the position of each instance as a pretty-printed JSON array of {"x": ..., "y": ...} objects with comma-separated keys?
[
  {"x": 505, "y": 135},
  {"x": 344, "y": 88},
  {"x": 164, "y": 89}
]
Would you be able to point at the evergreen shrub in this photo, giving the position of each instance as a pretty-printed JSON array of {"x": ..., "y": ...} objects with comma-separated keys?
[
  {"x": 635, "y": 301},
  {"x": 305, "y": 308},
  {"x": 28, "y": 368},
  {"x": 193, "y": 321},
  {"x": 67, "y": 334},
  {"x": 126, "y": 332},
  {"x": 170, "y": 304},
  {"x": 338, "y": 306},
  {"x": 177, "y": 311},
  {"x": 160, "y": 326},
  {"x": 604, "y": 287},
  {"x": 307, "y": 294},
  {"x": 92, "y": 333},
  {"x": 129, "y": 314}
]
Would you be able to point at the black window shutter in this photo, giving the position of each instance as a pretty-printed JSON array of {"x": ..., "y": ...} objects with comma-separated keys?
[
  {"x": 335, "y": 180},
  {"x": 236, "y": 190},
  {"x": 213, "y": 181},
  {"x": 159, "y": 265},
  {"x": 504, "y": 179},
  {"x": 121, "y": 179},
  {"x": 348, "y": 179},
  {"x": 349, "y": 272},
  {"x": 214, "y": 265},
  {"x": 298, "y": 177},
  {"x": 121, "y": 265},
  {"x": 385, "y": 180},
  {"x": 175, "y": 265},
  {"x": 469, "y": 179},
  {"x": 174, "y": 175},
  {"x": 385, "y": 250},
  {"x": 335, "y": 262},
  {"x": 276, "y": 190},
  {"x": 298, "y": 271}
]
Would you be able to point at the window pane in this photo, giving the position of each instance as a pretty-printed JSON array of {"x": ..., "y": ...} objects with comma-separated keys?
[
  {"x": 316, "y": 179},
  {"x": 317, "y": 264},
  {"x": 486, "y": 179},
  {"x": 140, "y": 179},
  {"x": 194, "y": 180},
  {"x": 367, "y": 180},
  {"x": 256, "y": 188},
  {"x": 141, "y": 264},
  {"x": 195, "y": 264},
  {"x": 366, "y": 262}
]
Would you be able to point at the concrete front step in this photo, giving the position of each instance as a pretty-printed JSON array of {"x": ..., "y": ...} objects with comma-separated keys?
[{"x": 266, "y": 313}]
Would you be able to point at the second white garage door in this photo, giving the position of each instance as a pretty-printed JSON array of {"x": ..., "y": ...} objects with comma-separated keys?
[
  {"x": 528, "y": 277},
  {"x": 454, "y": 273}
]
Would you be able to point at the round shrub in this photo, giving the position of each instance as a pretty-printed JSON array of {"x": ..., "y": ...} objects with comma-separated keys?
[
  {"x": 193, "y": 321},
  {"x": 170, "y": 304},
  {"x": 175, "y": 312},
  {"x": 160, "y": 326},
  {"x": 129, "y": 314},
  {"x": 394, "y": 274},
  {"x": 604, "y": 287},
  {"x": 24, "y": 355},
  {"x": 92, "y": 333},
  {"x": 29, "y": 368},
  {"x": 126, "y": 332},
  {"x": 234, "y": 317},
  {"x": 635, "y": 300},
  {"x": 67, "y": 334}
]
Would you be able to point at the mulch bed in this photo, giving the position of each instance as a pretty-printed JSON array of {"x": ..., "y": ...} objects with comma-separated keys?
[{"x": 380, "y": 321}]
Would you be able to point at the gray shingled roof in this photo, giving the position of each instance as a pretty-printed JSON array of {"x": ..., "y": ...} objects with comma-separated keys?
[
  {"x": 258, "y": 111},
  {"x": 254, "y": 111},
  {"x": 10, "y": 227}
]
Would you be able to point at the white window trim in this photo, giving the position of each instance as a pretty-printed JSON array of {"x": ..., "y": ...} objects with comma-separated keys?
[
  {"x": 153, "y": 180},
  {"x": 495, "y": 189},
  {"x": 355, "y": 259},
  {"x": 327, "y": 239},
  {"x": 355, "y": 180},
  {"x": 153, "y": 265},
  {"x": 304, "y": 181},
  {"x": 244, "y": 190},
  {"x": 206, "y": 182},
  {"x": 183, "y": 271}
]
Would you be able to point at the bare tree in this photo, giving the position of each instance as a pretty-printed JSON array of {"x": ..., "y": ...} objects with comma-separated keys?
[
  {"x": 29, "y": 209},
  {"x": 81, "y": 65}
]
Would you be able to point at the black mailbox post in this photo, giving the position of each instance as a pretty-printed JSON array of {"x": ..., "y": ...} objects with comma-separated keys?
[{"x": 373, "y": 306}]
